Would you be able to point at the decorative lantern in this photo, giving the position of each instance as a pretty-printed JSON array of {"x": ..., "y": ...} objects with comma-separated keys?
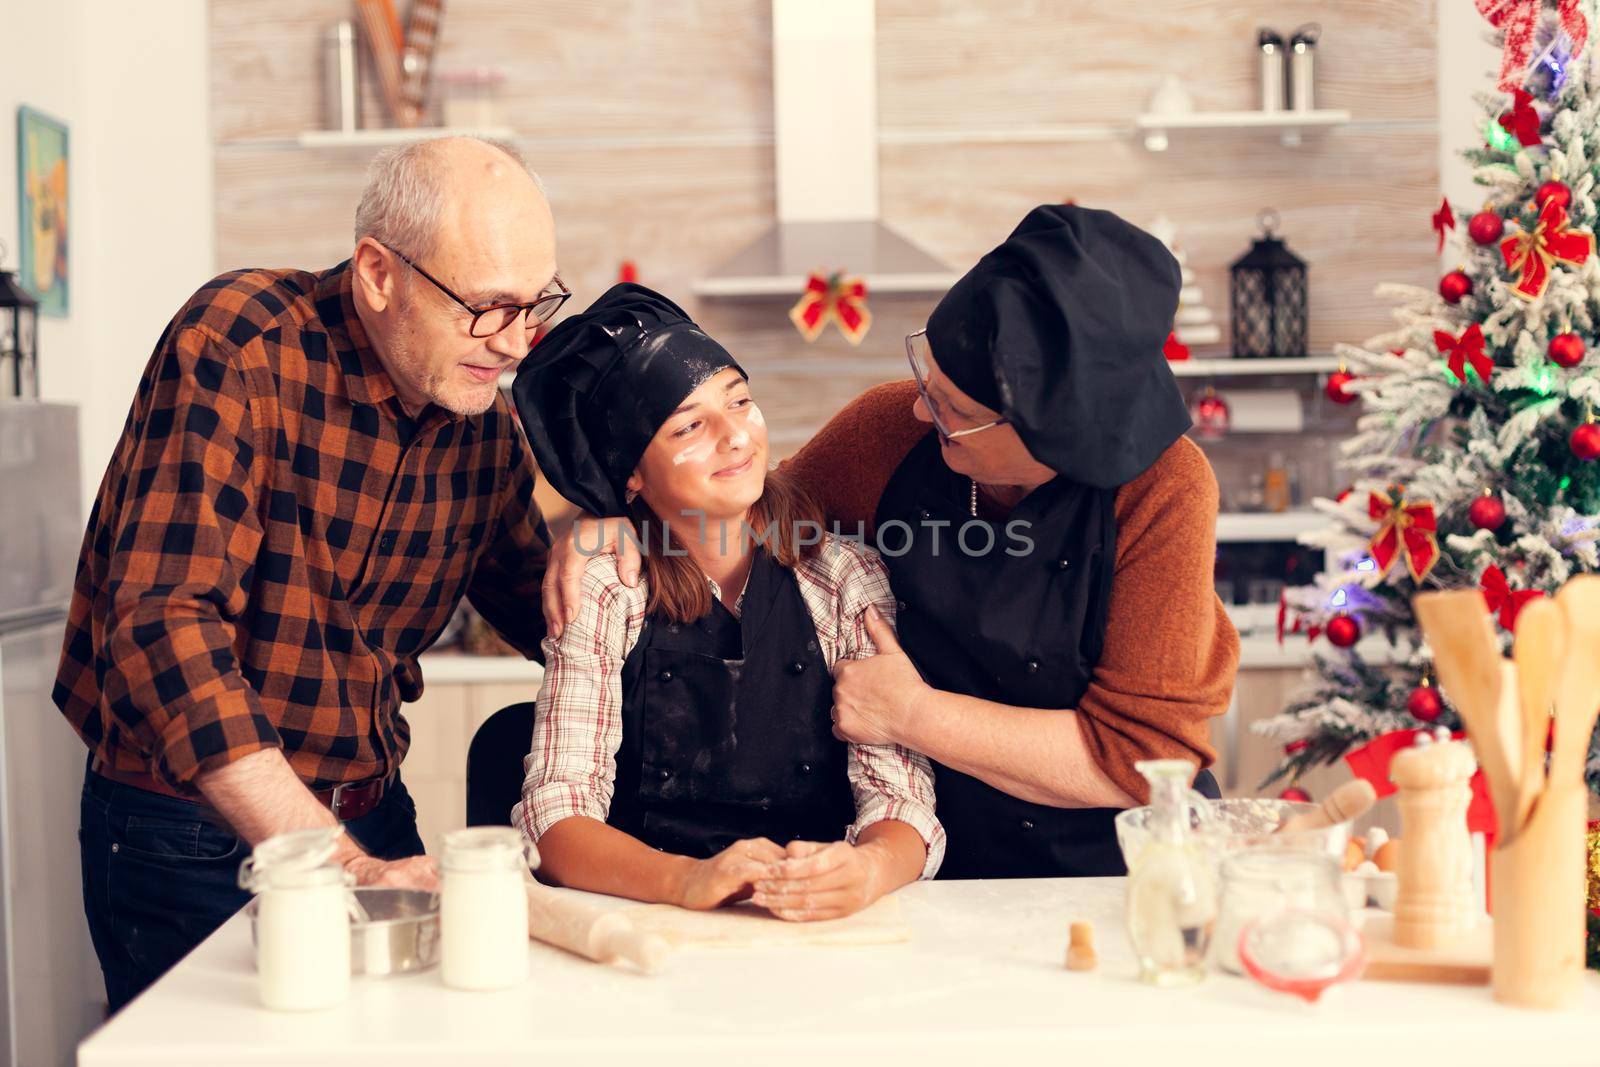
[
  {"x": 19, "y": 338},
  {"x": 1269, "y": 298}
]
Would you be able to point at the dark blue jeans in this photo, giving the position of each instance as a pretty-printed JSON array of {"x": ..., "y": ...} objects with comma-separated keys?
[{"x": 160, "y": 874}]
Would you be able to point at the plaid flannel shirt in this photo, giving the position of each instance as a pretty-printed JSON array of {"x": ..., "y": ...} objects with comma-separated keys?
[
  {"x": 275, "y": 542},
  {"x": 577, "y": 730}
]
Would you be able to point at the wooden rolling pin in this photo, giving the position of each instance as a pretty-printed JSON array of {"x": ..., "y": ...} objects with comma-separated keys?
[
  {"x": 1343, "y": 804},
  {"x": 591, "y": 931}
]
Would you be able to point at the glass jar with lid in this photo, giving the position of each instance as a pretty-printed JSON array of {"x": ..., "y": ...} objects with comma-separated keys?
[{"x": 483, "y": 918}]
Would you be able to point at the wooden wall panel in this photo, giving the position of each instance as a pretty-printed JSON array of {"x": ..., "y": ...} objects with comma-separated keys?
[{"x": 650, "y": 121}]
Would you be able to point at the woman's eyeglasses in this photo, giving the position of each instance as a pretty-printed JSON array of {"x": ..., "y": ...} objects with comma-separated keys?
[
  {"x": 921, "y": 357},
  {"x": 488, "y": 321}
]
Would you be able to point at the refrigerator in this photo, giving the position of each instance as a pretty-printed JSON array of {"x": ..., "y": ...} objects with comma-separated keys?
[{"x": 50, "y": 989}]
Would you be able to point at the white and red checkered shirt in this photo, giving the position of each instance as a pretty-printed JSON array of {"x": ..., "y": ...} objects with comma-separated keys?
[{"x": 578, "y": 728}]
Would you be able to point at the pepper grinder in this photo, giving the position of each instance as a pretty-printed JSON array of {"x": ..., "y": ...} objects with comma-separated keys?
[
  {"x": 1433, "y": 907},
  {"x": 1302, "y": 67},
  {"x": 1272, "y": 68}
]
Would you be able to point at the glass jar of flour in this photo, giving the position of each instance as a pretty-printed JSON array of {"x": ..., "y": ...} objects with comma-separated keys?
[
  {"x": 302, "y": 919},
  {"x": 483, "y": 907}
]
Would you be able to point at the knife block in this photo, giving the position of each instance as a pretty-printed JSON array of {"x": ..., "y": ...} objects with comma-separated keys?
[{"x": 1538, "y": 881}]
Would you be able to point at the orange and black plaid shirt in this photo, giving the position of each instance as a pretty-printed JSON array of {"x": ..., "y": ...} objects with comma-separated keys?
[{"x": 275, "y": 542}]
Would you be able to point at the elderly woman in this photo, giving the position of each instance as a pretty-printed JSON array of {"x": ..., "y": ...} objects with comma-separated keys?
[
  {"x": 682, "y": 749},
  {"x": 1052, "y": 547}
]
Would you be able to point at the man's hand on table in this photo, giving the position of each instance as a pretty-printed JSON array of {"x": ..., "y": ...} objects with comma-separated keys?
[
  {"x": 562, "y": 589},
  {"x": 873, "y": 698},
  {"x": 413, "y": 872}
]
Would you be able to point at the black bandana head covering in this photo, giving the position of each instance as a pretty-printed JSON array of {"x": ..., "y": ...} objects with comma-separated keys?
[
  {"x": 594, "y": 392},
  {"x": 1061, "y": 329}
]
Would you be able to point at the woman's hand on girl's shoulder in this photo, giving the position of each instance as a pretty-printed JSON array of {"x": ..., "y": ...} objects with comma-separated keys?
[{"x": 562, "y": 589}]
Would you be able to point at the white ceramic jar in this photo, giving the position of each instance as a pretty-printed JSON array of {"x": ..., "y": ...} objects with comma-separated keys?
[{"x": 483, "y": 908}]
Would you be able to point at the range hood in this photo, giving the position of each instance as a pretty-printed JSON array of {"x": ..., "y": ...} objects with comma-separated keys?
[{"x": 825, "y": 124}]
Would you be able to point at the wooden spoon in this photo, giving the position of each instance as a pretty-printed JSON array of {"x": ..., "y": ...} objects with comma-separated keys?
[
  {"x": 1467, "y": 657},
  {"x": 1540, "y": 648},
  {"x": 1578, "y": 690}
]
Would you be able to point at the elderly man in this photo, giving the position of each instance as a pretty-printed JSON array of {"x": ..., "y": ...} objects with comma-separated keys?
[{"x": 316, "y": 468}]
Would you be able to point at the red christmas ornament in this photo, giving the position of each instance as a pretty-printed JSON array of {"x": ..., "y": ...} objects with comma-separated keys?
[
  {"x": 1566, "y": 349},
  {"x": 1210, "y": 415},
  {"x": 1295, "y": 793},
  {"x": 1425, "y": 703},
  {"x": 1553, "y": 191},
  {"x": 1335, "y": 387},
  {"x": 1585, "y": 441},
  {"x": 1454, "y": 286},
  {"x": 1344, "y": 630},
  {"x": 1487, "y": 512},
  {"x": 1299, "y": 745},
  {"x": 1486, "y": 227}
]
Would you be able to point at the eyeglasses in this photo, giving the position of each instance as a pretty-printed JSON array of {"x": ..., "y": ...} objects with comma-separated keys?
[
  {"x": 488, "y": 321},
  {"x": 921, "y": 357}
]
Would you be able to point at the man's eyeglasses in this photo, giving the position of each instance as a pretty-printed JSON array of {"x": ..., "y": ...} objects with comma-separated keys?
[
  {"x": 921, "y": 357},
  {"x": 488, "y": 321}
]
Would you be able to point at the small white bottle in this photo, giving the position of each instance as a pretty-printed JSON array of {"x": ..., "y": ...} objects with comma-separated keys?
[
  {"x": 483, "y": 908},
  {"x": 302, "y": 920}
]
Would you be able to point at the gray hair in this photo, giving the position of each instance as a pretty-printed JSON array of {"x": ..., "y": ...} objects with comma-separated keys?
[{"x": 403, "y": 199}]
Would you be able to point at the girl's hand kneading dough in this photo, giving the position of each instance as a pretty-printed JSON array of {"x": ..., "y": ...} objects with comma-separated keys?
[
  {"x": 817, "y": 881},
  {"x": 728, "y": 876}
]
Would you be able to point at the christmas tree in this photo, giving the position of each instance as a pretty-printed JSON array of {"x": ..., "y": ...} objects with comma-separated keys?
[{"x": 1476, "y": 459}]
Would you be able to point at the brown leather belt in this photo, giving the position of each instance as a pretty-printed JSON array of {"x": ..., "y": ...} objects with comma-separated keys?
[{"x": 349, "y": 800}]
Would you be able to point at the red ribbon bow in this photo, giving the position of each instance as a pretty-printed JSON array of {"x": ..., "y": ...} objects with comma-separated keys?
[
  {"x": 1403, "y": 529},
  {"x": 836, "y": 299},
  {"x": 1468, "y": 348},
  {"x": 1503, "y": 599},
  {"x": 1522, "y": 121},
  {"x": 1443, "y": 219},
  {"x": 1519, "y": 20},
  {"x": 1551, "y": 241}
]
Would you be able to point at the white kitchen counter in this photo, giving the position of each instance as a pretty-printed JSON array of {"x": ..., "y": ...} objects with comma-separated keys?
[{"x": 980, "y": 984}]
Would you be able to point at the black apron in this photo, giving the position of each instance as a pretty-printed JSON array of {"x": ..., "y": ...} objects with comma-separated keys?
[
  {"x": 726, "y": 731},
  {"x": 1014, "y": 624}
]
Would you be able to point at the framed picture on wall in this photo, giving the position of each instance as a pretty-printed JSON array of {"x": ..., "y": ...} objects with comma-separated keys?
[{"x": 42, "y": 166}]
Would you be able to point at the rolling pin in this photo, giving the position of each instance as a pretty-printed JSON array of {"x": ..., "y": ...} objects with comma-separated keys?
[
  {"x": 592, "y": 932},
  {"x": 1343, "y": 804}
]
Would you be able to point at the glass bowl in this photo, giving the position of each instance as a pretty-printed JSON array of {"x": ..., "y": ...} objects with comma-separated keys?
[{"x": 1224, "y": 826}]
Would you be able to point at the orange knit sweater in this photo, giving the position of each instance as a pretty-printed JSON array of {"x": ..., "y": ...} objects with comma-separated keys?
[{"x": 1170, "y": 650}]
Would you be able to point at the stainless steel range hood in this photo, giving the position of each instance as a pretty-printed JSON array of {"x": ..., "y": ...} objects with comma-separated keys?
[{"x": 825, "y": 123}]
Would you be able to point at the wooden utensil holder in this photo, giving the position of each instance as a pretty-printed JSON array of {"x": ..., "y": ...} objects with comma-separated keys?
[{"x": 1538, "y": 881}]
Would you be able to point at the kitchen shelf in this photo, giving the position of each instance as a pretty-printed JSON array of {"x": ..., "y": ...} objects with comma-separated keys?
[
  {"x": 377, "y": 138},
  {"x": 463, "y": 668},
  {"x": 1237, "y": 526},
  {"x": 1222, "y": 368},
  {"x": 1288, "y": 124}
]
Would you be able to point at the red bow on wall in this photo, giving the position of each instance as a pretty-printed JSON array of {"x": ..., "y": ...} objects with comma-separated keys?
[
  {"x": 1519, "y": 21},
  {"x": 1551, "y": 241},
  {"x": 1407, "y": 530},
  {"x": 836, "y": 299}
]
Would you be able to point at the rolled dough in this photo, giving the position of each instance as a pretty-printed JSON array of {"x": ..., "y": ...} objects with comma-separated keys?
[{"x": 746, "y": 926}]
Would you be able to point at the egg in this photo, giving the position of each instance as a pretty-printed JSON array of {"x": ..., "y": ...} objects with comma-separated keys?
[
  {"x": 1388, "y": 856},
  {"x": 1355, "y": 853},
  {"x": 1377, "y": 837}
]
